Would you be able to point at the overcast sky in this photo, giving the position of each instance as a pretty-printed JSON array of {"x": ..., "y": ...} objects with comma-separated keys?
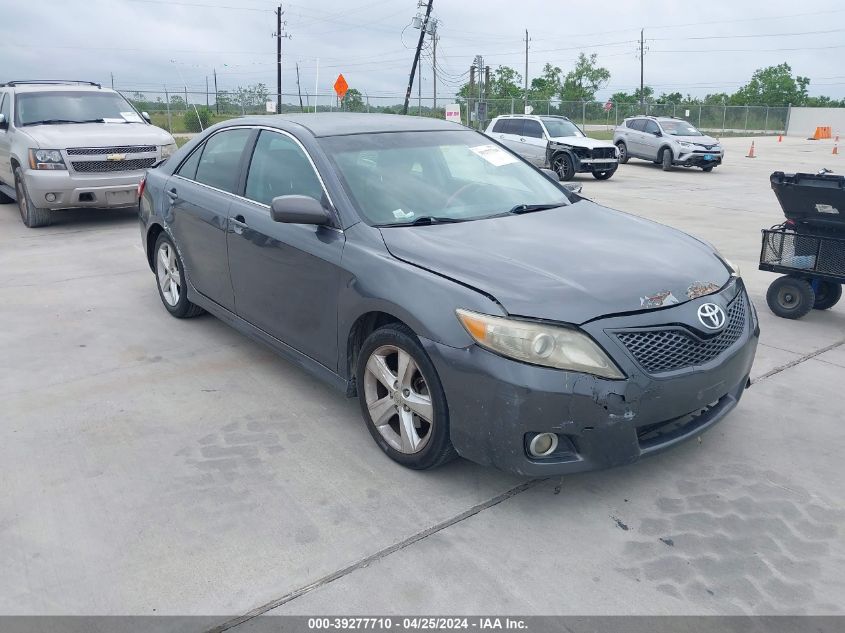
[{"x": 692, "y": 47}]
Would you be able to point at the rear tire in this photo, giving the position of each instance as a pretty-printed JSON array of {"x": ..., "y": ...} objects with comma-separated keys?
[
  {"x": 623, "y": 152},
  {"x": 172, "y": 281},
  {"x": 666, "y": 159},
  {"x": 828, "y": 295},
  {"x": 32, "y": 216},
  {"x": 415, "y": 436},
  {"x": 791, "y": 297}
]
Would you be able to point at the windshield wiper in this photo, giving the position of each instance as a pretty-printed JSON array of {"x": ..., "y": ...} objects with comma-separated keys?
[
  {"x": 529, "y": 208},
  {"x": 62, "y": 121},
  {"x": 426, "y": 220}
]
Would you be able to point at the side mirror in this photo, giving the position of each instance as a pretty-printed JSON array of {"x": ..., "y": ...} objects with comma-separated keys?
[
  {"x": 3, "y": 122},
  {"x": 299, "y": 210},
  {"x": 573, "y": 187},
  {"x": 146, "y": 117},
  {"x": 551, "y": 174},
  {"x": 658, "y": 133}
]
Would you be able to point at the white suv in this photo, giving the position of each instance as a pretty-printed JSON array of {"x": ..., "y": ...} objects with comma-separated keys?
[
  {"x": 70, "y": 144},
  {"x": 555, "y": 142}
]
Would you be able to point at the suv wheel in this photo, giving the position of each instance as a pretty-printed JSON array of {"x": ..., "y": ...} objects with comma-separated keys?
[
  {"x": 562, "y": 165},
  {"x": 666, "y": 159},
  {"x": 790, "y": 297},
  {"x": 31, "y": 215},
  {"x": 623, "y": 152},
  {"x": 402, "y": 400},
  {"x": 604, "y": 175},
  {"x": 172, "y": 282}
]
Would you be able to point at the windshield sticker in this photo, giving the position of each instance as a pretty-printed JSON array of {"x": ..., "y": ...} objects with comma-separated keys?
[
  {"x": 701, "y": 288},
  {"x": 494, "y": 155},
  {"x": 665, "y": 298},
  {"x": 108, "y": 120},
  {"x": 131, "y": 117},
  {"x": 399, "y": 214}
]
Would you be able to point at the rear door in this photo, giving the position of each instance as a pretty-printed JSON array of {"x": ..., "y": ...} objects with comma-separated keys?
[
  {"x": 534, "y": 142},
  {"x": 510, "y": 133},
  {"x": 634, "y": 137},
  {"x": 200, "y": 194},
  {"x": 286, "y": 276}
]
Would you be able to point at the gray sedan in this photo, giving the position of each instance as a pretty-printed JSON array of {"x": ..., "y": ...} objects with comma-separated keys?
[{"x": 473, "y": 305}]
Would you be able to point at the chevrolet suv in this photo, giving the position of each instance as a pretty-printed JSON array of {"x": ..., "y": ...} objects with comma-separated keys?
[
  {"x": 667, "y": 141},
  {"x": 555, "y": 142},
  {"x": 71, "y": 144}
]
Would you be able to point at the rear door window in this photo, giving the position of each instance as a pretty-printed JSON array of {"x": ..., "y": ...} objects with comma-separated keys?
[
  {"x": 533, "y": 129},
  {"x": 636, "y": 124},
  {"x": 499, "y": 127},
  {"x": 219, "y": 166}
]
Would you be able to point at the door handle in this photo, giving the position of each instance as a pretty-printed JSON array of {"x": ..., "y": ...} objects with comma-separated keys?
[
  {"x": 239, "y": 219},
  {"x": 522, "y": 140},
  {"x": 172, "y": 193}
]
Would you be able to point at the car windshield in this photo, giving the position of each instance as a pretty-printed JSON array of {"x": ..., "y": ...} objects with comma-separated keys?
[
  {"x": 79, "y": 106},
  {"x": 414, "y": 177},
  {"x": 561, "y": 127},
  {"x": 679, "y": 128}
]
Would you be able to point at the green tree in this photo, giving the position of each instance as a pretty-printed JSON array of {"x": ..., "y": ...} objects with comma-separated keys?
[
  {"x": 353, "y": 102},
  {"x": 505, "y": 83},
  {"x": 773, "y": 86},
  {"x": 548, "y": 85},
  {"x": 623, "y": 97},
  {"x": 583, "y": 81},
  {"x": 672, "y": 97}
]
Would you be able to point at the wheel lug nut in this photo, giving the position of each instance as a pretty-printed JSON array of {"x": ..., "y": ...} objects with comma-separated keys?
[
  {"x": 406, "y": 407},
  {"x": 396, "y": 385},
  {"x": 406, "y": 392}
]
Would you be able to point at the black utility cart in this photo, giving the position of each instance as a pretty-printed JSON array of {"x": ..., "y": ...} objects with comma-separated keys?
[{"x": 809, "y": 247}]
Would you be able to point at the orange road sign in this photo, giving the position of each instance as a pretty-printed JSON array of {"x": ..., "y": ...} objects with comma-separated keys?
[{"x": 340, "y": 86}]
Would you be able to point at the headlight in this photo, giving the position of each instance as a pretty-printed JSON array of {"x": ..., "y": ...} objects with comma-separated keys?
[
  {"x": 46, "y": 159},
  {"x": 167, "y": 150},
  {"x": 735, "y": 272},
  {"x": 683, "y": 144},
  {"x": 539, "y": 344}
]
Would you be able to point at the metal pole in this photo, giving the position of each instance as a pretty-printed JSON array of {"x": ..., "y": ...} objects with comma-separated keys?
[
  {"x": 584, "y": 114},
  {"x": 746, "y": 118},
  {"x": 316, "y": 85},
  {"x": 186, "y": 98},
  {"x": 511, "y": 105},
  {"x": 419, "y": 94},
  {"x": 724, "y": 118},
  {"x": 525, "y": 110},
  {"x": 207, "y": 103},
  {"x": 434, "y": 68},
  {"x": 766, "y": 125},
  {"x": 298, "y": 88},
  {"x": 216, "y": 100},
  {"x": 642, "y": 72},
  {"x": 167, "y": 101},
  {"x": 279, "y": 60},
  {"x": 423, "y": 29},
  {"x": 699, "y": 115}
]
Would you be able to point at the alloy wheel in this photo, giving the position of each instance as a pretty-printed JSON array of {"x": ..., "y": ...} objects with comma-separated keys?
[
  {"x": 563, "y": 167},
  {"x": 167, "y": 271},
  {"x": 398, "y": 399}
]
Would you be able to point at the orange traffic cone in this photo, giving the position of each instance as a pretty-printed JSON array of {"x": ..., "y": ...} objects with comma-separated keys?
[
  {"x": 835, "y": 148},
  {"x": 751, "y": 151},
  {"x": 780, "y": 138}
]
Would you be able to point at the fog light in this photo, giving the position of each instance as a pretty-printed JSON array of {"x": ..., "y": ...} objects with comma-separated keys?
[
  {"x": 542, "y": 444},
  {"x": 50, "y": 197}
]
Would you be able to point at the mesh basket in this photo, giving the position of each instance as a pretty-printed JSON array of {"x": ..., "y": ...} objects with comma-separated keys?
[{"x": 811, "y": 253}]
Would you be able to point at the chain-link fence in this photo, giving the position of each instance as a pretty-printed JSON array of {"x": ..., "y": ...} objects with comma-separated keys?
[{"x": 173, "y": 110}]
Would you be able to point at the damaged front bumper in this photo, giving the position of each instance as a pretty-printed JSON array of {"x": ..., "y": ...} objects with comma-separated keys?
[{"x": 497, "y": 405}]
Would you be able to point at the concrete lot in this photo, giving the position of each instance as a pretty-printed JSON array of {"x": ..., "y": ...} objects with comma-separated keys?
[{"x": 156, "y": 466}]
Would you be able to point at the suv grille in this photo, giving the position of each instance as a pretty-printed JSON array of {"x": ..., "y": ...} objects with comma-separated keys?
[
  {"x": 604, "y": 152},
  {"x": 671, "y": 349},
  {"x": 91, "y": 166},
  {"x": 122, "y": 149}
]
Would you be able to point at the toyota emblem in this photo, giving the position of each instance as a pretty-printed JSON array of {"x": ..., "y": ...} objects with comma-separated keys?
[{"x": 712, "y": 317}]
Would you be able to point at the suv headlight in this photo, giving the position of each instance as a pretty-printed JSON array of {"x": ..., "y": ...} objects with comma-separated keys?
[
  {"x": 539, "y": 344},
  {"x": 46, "y": 159},
  {"x": 685, "y": 144},
  {"x": 167, "y": 150},
  {"x": 735, "y": 271}
]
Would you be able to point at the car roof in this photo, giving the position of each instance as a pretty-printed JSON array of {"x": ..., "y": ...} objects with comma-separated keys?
[
  {"x": 64, "y": 87},
  {"x": 532, "y": 116},
  {"x": 346, "y": 123}
]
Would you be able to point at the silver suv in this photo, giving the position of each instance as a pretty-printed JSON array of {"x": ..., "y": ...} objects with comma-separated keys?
[
  {"x": 71, "y": 144},
  {"x": 554, "y": 142},
  {"x": 667, "y": 141}
]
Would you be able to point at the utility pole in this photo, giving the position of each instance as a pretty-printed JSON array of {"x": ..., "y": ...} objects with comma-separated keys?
[
  {"x": 423, "y": 29},
  {"x": 216, "y": 101},
  {"x": 525, "y": 104},
  {"x": 112, "y": 80},
  {"x": 642, "y": 73},
  {"x": 479, "y": 60},
  {"x": 298, "y": 89},
  {"x": 471, "y": 92},
  {"x": 207, "y": 104},
  {"x": 419, "y": 94},
  {"x": 279, "y": 36},
  {"x": 434, "y": 37}
]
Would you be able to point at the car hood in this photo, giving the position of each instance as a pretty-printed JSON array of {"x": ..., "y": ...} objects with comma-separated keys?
[
  {"x": 96, "y": 135},
  {"x": 698, "y": 140},
  {"x": 581, "y": 141},
  {"x": 571, "y": 264}
]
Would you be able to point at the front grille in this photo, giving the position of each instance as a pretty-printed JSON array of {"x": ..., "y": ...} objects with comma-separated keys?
[
  {"x": 93, "y": 166},
  {"x": 670, "y": 349},
  {"x": 604, "y": 152},
  {"x": 120, "y": 149}
]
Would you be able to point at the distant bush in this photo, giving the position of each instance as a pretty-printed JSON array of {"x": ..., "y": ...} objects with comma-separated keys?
[{"x": 196, "y": 120}]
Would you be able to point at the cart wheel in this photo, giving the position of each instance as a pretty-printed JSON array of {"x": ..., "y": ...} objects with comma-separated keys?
[
  {"x": 791, "y": 297},
  {"x": 828, "y": 295}
]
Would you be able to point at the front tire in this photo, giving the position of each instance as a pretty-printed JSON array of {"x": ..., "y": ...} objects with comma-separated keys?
[
  {"x": 791, "y": 297},
  {"x": 32, "y": 216},
  {"x": 828, "y": 295},
  {"x": 604, "y": 175},
  {"x": 623, "y": 152},
  {"x": 708, "y": 169},
  {"x": 172, "y": 281},
  {"x": 562, "y": 164},
  {"x": 402, "y": 400},
  {"x": 666, "y": 159}
]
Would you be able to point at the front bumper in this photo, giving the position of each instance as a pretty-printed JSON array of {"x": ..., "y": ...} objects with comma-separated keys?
[
  {"x": 699, "y": 159},
  {"x": 73, "y": 190},
  {"x": 496, "y": 404}
]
